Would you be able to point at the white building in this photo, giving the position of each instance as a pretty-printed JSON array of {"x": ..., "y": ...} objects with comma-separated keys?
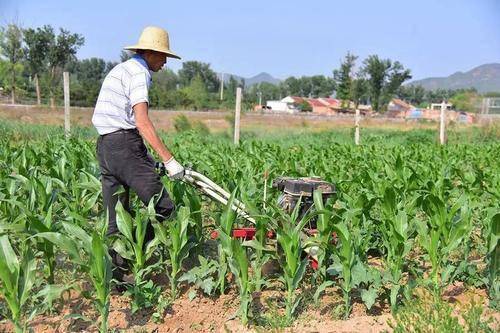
[{"x": 281, "y": 106}]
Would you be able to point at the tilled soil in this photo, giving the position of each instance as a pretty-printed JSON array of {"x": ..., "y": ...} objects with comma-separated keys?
[{"x": 204, "y": 314}]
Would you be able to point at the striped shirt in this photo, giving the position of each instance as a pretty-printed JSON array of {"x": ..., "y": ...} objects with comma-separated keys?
[{"x": 125, "y": 85}]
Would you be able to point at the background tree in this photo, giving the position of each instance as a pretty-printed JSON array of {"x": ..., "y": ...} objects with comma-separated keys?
[
  {"x": 62, "y": 49},
  {"x": 359, "y": 90},
  {"x": 412, "y": 94},
  {"x": 395, "y": 78},
  {"x": 467, "y": 101},
  {"x": 37, "y": 43},
  {"x": 292, "y": 86},
  {"x": 383, "y": 79},
  {"x": 191, "y": 69},
  {"x": 343, "y": 79},
  {"x": 263, "y": 91},
  {"x": 125, "y": 55},
  {"x": 163, "y": 92},
  {"x": 321, "y": 86},
  {"x": 492, "y": 94},
  {"x": 197, "y": 94},
  {"x": 86, "y": 80},
  {"x": 11, "y": 42},
  {"x": 230, "y": 90}
]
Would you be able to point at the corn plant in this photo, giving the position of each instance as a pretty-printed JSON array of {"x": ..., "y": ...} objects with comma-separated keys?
[
  {"x": 493, "y": 257},
  {"x": 188, "y": 196},
  {"x": 261, "y": 252},
  {"x": 225, "y": 224},
  {"x": 95, "y": 261},
  {"x": 36, "y": 214},
  {"x": 238, "y": 263},
  {"x": 174, "y": 236},
  {"x": 289, "y": 239},
  {"x": 100, "y": 274},
  {"x": 322, "y": 241},
  {"x": 445, "y": 228},
  {"x": 131, "y": 246},
  {"x": 395, "y": 232},
  {"x": 17, "y": 277},
  {"x": 347, "y": 256}
]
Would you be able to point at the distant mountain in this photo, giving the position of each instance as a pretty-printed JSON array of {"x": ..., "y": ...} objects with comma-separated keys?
[
  {"x": 262, "y": 77},
  {"x": 484, "y": 78}
]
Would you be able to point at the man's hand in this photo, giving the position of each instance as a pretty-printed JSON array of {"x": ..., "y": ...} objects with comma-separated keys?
[{"x": 174, "y": 169}]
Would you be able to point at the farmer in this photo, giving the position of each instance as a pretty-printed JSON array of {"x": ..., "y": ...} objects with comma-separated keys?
[{"x": 122, "y": 121}]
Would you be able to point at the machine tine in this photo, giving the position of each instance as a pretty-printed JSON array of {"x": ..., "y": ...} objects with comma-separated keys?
[
  {"x": 204, "y": 181},
  {"x": 207, "y": 186}
]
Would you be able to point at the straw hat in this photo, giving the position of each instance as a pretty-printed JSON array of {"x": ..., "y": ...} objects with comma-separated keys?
[{"x": 156, "y": 39}]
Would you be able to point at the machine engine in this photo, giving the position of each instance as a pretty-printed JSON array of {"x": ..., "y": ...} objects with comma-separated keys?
[{"x": 295, "y": 189}]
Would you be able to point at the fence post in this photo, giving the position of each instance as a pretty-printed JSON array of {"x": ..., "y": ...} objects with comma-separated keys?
[
  {"x": 37, "y": 88},
  {"x": 442, "y": 123},
  {"x": 356, "y": 125},
  {"x": 67, "y": 125},
  {"x": 221, "y": 86},
  {"x": 237, "y": 117}
]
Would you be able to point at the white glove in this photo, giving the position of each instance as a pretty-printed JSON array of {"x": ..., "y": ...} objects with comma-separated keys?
[{"x": 174, "y": 169}]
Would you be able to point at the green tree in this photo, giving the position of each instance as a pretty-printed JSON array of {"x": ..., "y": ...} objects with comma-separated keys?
[
  {"x": 307, "y": 86},
  {"x": 412, "y": 94},
  {"x": 37, "y": 43},
  {"x": 465, "y": 101},
  {"x": 492, "y": 94},
  {"x": 383, "y": 78},
  {"x": 263, "y": 91},
  {"x": 11, "y": 42},
  {"x": 321, "y": 86},
  {"x": 230, "y": 89},
  {"x": 395, "y": 78},
  {"x": 63, "y": 48},
  {"x": 343, "y": 79},
  {"x": 191, "y": 69},
  {"x": 197, "y": 93},
  {"x": 292, "y": 86},
  {"x": 163, "y": 92},
  {"x": 88, "y": 76},
  {"x": 125, "y": 55},
  {"x": 359, "y": 90}
]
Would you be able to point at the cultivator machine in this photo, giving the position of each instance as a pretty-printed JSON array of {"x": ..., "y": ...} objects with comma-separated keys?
[{"x": 292, "y": 192}]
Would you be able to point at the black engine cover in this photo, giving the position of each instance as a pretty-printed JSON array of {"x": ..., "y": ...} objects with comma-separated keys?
[
  {"x": 303, "y": 186},
  {"x": 295, "y": 189}
]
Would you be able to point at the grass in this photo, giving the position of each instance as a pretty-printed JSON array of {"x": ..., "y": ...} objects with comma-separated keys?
[{"x": 426, "y": 313}]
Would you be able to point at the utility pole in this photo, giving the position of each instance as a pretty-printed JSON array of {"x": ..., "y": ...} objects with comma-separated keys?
[
  {"x": 237, "y": 117},
  {"x": 67, "y": 125},
  {"x": 260, "y": 98},
  {"x": 221, "y": 86}
]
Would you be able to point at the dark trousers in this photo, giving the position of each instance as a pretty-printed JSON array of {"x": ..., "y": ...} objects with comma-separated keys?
[{"x": 124, "y": 161}]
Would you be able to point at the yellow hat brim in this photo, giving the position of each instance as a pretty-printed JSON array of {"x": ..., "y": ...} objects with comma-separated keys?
[{"x": 169, "y": 53}]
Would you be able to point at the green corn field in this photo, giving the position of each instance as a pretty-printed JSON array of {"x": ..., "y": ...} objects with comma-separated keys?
[{"x": 409, "y": 216}]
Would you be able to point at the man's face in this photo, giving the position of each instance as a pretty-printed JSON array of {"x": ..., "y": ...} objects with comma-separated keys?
[{"x": 155, "y": 60}]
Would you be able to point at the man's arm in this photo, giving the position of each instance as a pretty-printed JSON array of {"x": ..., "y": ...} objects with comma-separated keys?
[{"x": 148, "y": 131}]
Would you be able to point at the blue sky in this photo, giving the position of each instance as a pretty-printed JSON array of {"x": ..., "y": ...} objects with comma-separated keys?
[{"x": 283, "y": 38}]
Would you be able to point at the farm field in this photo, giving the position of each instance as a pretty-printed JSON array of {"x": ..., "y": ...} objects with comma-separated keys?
[
  {"x": 216, "y": 121},
  {"x": 409, "y": 239}
]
